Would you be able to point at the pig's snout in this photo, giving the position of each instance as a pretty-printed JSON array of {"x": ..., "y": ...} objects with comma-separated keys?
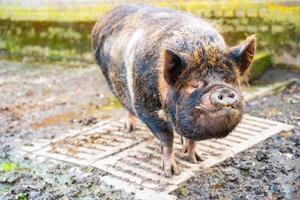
[{"x": 223, "y": 97}]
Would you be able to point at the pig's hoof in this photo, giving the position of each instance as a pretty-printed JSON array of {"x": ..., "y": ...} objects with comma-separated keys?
[
  {"x": 130, "y": 124},
  {"x": 171, "y": 169},
  {"x": 169, "y": 163},
  {"x": 194, "y": 157},
  {"x": 190, "y": 149},
  {"x": 129, "y": 127}
]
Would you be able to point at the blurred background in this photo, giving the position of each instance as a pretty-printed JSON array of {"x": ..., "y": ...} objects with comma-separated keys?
[
  {"x": 59, "y": 30},
  {"x": 50, "y": 86}
]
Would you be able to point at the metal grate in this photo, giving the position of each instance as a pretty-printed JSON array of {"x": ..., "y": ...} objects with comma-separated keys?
[{"x": 133, "y": 160}]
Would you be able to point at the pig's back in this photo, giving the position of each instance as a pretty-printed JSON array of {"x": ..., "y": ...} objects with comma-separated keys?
[{"x": 127, "y": 44}]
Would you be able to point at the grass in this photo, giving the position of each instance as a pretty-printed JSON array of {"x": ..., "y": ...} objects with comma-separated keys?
[
  {"x": 21, "y": 196},
  {"x": 183, "y": 190}
]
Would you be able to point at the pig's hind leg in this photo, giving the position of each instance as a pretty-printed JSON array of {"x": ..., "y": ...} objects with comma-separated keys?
[
  {"x": 190, "y": 148},
  {"x": 130, "y": 123}
]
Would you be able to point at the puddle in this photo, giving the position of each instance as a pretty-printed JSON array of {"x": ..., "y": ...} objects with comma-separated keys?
[
  {"x": 217, "y": 186},
  {"x": 88, "y": 114},
  {"x": 56, "y": 119}
]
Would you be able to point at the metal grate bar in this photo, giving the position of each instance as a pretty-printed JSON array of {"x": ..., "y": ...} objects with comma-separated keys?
[{"x": 134, "y": 159}]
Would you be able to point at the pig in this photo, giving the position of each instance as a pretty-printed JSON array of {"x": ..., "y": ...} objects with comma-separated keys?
[{"x": 174, "y": 72}]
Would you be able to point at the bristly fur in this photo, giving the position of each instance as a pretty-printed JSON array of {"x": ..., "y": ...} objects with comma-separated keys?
[{"x": 130, "y": 45}]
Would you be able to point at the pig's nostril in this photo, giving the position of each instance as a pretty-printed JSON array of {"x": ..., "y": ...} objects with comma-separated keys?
[
  {"x": 224, "y": 97},
  {"x": 231, "y": 95}
]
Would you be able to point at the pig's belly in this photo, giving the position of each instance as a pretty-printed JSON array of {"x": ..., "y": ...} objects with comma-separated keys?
[
  {"x": 118, "y": 71},
  {"x": 131, "y": 69}
]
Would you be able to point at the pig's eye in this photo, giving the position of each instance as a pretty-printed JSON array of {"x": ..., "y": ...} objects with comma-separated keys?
[
  {"x": 197, "y": 85},
  {"x": 205, "y": 82},
  {"x": 220, "y": 71},
  {"x": 194, "y": 86}
]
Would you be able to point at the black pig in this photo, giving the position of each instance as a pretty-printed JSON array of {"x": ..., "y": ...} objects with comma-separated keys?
[{"x": 174, "y": 72}]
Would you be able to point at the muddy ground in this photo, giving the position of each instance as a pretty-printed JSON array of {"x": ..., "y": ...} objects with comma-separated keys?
[{"x": 39, "y": 101}]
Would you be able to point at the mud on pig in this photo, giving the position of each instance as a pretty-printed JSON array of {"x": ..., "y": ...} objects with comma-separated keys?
[{"x": 174, "y": 72}]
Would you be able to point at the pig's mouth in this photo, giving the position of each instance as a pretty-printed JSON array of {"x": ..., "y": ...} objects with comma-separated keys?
[
  {"x": 205, "y": 110},
  {"x": 205, "y": 120}
]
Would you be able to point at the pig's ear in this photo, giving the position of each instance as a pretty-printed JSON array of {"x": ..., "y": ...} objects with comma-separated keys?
[
  {"x": 243, "y": 53},
  {"x": 173, "y": 66}
]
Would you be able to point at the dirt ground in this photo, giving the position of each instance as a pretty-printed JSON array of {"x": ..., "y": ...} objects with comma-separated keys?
[{"x": 47, "y": 101}]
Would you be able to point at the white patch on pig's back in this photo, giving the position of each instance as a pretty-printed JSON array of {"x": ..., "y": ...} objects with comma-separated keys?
[{"x": 129, "y": 57}]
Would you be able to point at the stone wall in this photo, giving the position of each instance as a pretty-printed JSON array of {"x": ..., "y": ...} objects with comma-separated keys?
[
  {"x": 276, "y": 26},
  {"x": 275, "y": 23},
  {"x": 277, "y": 32}
]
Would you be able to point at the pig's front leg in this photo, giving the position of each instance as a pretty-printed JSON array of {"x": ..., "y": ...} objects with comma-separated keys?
[
  {"x": 169, "y": 163},
  {"x": 163, "y": 130},
  {"x": 190, "y": 148}
]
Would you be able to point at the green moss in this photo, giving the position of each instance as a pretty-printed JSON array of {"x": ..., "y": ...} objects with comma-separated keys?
[
  {"x": 7, "y": 167},
  {"x": 46, "y": 41},
  {"x": 261, "y": 62},
  {"x": 111, "y": 103},
  {"x": 92, "y": 13},
  {"x": 48, "y": 13},
  {"x": 62, "y": 35}
]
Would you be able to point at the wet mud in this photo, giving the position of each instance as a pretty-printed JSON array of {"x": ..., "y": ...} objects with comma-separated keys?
[
  {"x": 45, "y": 102},
  {"x": 48, "y": 101}
]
